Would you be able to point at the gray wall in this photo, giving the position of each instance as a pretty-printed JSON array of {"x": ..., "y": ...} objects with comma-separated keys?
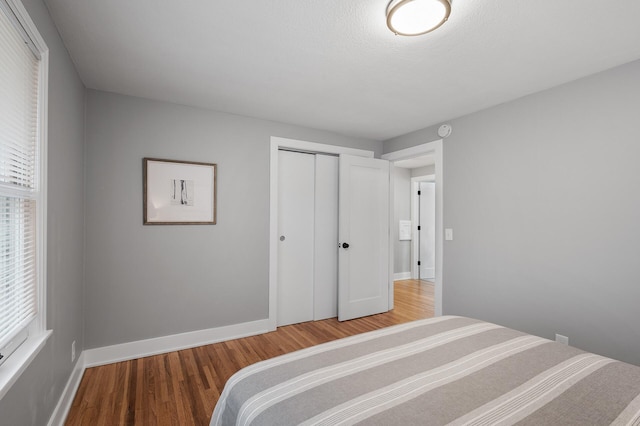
[
  {"x": 542, "y": 194},
  {"x": 423, "y": 171},
  {"x": 402, "y": 211},
  {"x": 149, "y": 281},
  {"x": 33, "y": 397}
]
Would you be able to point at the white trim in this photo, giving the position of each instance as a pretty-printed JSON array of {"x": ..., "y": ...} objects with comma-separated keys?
[
  {"x": 434, "y": 148},
  {"x": 143, "y": 348},
  {"x": 40, "y": 323},
  {"x": 63, "y": 406},
  {"x": 44, "y": 160},
  {"x": 315, "y": 147},
  {"x": 174, "y": 342},
  {"x": 19, "y": 360},
  {"x": 297, "y": 145},
  {"x": 414, "y": 228},
  {"x": 398, "y": 276},
  {"x": 425, "y": 178},
  {"x": 414, "y": 151},
  {"x": 392, "y": 224},
  {"x": 439, "y": 282},
  {"x": 15, "y": 365}
]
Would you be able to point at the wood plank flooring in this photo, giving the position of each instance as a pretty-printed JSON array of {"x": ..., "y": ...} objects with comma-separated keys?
[{"x": 182, "y": 387}]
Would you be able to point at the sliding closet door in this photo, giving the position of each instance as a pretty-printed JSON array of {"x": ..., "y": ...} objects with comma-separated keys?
[
  {"x": 296, "y": 211},
  {"x": 326, "y": 238}
]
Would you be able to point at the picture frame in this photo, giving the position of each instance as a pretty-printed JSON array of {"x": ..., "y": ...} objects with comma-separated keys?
[{"x": 179, "y": 192}]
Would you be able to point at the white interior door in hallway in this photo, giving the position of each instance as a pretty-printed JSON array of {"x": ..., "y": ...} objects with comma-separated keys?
[
  {"x": 308, "y": 234},
  {"x": 427, "y": 232}
]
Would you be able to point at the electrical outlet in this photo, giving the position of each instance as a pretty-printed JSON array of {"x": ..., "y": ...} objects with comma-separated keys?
[
  {"x": 73, "y": 351},
  {"x": 562, "y": 339}
]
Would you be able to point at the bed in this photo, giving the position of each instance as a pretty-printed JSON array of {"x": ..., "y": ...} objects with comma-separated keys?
[{"x": 447, "y": 370}]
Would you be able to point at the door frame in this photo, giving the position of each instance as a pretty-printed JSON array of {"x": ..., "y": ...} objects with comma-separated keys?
[
  {"x": 415, "y": 184},
  {"x": 276, "y": 144},
  {"x": 434, "y": 148}
]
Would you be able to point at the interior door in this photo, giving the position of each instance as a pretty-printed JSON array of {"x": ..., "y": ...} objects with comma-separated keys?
[
  {"x": 296, "y": 180},
  {"x": 363, "y": 260},
  {"x": 427, "y": 233}
]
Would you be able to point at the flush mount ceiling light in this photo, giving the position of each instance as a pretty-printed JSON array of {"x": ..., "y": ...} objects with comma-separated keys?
[{"x": 417, "y": 17}]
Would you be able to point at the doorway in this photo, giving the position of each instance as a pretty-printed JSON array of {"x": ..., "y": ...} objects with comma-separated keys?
[{"x": 433, "y": 149}]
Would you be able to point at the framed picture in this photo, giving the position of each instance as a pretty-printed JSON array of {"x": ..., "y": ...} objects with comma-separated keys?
[{"x": 179, "y": 192}]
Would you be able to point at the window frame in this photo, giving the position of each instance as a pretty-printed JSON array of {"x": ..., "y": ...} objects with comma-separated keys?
[{"x": 38, "y": 334}]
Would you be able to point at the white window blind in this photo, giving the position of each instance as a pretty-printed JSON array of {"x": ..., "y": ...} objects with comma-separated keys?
[{"x": 19, "y": 180}]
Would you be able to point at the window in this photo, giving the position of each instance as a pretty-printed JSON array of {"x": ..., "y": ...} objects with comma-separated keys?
[{"x": 23, "y": 75}]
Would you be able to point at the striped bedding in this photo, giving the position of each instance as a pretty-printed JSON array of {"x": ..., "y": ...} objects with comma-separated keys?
[{"x": 442, "y": 371}]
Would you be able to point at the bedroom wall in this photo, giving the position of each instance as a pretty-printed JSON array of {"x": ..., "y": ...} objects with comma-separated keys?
[
  {"x": 402, "y": 211},
  {"x": 542, "y": 195},
  {"x": 150, "y": 281},
  {"x": 32, "y": 398}
]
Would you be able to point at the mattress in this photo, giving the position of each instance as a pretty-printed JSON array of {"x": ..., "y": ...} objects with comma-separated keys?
[{"x": 441, "y": 371}]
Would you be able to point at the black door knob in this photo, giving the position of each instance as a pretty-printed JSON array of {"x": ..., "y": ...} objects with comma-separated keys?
[{"x": 345, "y": 245}]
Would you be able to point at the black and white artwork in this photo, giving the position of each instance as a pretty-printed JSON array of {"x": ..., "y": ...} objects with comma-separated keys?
[{"x": 181, "y": 192}]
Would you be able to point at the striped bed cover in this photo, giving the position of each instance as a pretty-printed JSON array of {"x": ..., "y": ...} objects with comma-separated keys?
[{"x": 442, "y": 371}]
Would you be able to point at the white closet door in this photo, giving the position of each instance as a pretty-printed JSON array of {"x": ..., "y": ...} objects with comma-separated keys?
[
  {"x": 326, "y": 238},
  {"x": 296, "y": 205},
  {"x": 363, "y": 287}
]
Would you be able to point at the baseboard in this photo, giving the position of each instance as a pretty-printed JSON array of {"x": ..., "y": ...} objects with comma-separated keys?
[
  {"x": 142, "y": 348},
  {"x": 402, "y": 276},
  {"x": 175, "y": 342},
  {"x": 66, "y": 399}
]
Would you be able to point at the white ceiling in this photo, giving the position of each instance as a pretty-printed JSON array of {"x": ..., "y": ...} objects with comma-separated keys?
[{"x": 333, "y": 64}]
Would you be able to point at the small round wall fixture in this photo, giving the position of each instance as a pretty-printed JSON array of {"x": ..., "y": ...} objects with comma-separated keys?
[
  {"x": 417, "y": 17},
  {"x": 444, "y": 130}
]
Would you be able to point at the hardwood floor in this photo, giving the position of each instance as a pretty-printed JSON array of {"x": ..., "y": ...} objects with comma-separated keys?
[{"x": 182, "y": 387}]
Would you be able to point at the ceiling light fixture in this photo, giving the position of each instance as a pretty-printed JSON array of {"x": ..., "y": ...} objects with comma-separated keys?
[{"x": 417, "y": 17}]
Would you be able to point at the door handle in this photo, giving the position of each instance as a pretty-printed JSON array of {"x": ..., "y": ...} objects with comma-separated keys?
[{"x": 345, "y": 245}]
